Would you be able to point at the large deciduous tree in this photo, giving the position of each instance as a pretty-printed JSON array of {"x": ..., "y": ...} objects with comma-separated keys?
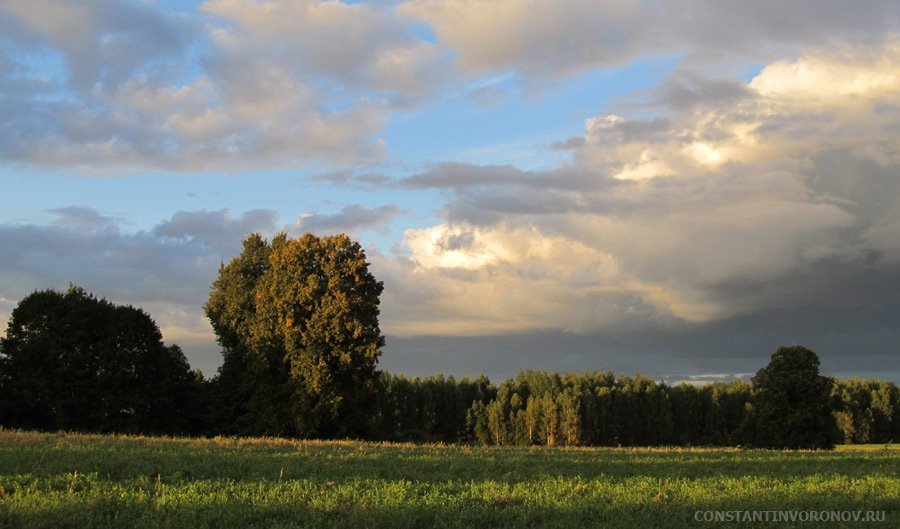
[
  {"x": 242, "y": 388},
  {"x": 791, "y": 403},
  {"x": 74, "y": 362},
  {"x": 298, "y": 321}
]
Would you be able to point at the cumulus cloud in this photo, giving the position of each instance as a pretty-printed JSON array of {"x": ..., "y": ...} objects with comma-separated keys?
[
  {"x": 772, "y": 197},
  {"x": 466, "y": 280},
  {"x": 122, "y": 84}
]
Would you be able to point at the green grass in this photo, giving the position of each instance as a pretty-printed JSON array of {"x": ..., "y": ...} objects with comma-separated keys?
[{"x": 92, "y": 481}]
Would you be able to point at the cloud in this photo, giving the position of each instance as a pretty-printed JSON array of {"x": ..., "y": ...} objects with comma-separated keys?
[
  {"x": 767, "y": 196},
  {"x": 349, "y": 219},
  {"x": 240, "y": 84},
  {"x": 82, "y": 219},
  {"x": 562, "y": 37},
  {"x": 216, "y": 230},
  {"x": 359, "y": 46},
  {"x": 461, "y": 280},
  {"x": 349, "y": 177},
  {"x": 460, "y": 176},
  {"x": 104, "y": 43},
  {"x": 463, "y": 175},
  {"x": 557, "y": 36},
  {"x": 130, "y": 265},
  {"x": 735, "y": 347}
]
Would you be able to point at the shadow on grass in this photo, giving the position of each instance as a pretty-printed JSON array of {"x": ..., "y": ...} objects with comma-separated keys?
[{"x": 113, "y": 513}]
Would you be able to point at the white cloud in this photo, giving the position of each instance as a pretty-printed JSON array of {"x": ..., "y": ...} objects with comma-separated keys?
[
  {"x": 831, "y": 80},
  {"x": 480, "y": 280}
]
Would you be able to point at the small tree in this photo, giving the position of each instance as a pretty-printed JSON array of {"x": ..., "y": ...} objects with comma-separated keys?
[
  {"x": 477, "y": 423},
  {"x": 496, "y": 421},
  {"x": 790, "y": 403},
  {"x": 570, "y": 416},
  {"x": 550, "y": 419},
  {"x": 532, "y": 418}
]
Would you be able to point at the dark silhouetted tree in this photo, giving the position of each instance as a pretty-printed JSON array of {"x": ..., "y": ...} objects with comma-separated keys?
[
  {"x": 71, "y": 361},
  {"x": 791, "y": 403}
]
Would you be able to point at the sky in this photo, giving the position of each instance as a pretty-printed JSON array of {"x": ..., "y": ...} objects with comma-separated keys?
[{"x": 674, "y": 188}]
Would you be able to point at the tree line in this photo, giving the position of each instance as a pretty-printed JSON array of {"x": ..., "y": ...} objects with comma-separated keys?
[
  {"x": 601, "y": 409},
  {"x": 297, "y": 320}
]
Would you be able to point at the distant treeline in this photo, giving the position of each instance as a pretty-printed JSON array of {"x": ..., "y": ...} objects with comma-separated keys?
[{"x": 539, "y": 408}]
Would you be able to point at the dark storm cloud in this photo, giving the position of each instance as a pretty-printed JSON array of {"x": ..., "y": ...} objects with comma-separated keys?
[
  {"x": 475, "y": 207},
  {"x": 861, "y": 344}
]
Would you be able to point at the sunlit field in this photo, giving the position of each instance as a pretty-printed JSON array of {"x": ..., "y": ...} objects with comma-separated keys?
[{"x": 72, "y": 480}]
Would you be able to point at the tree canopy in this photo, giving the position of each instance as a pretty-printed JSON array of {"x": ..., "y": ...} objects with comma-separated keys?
[
  {"x": 298, "y": 322},
  {"x": 72, "y": 361},
  {"x": 791, "y": 403}
]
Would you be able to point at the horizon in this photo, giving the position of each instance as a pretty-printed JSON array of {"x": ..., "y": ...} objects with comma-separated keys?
[{"x": 565, "y": 186}]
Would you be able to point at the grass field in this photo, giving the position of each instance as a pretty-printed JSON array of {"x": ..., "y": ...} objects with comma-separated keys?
[{"x": 69, "y": 480}]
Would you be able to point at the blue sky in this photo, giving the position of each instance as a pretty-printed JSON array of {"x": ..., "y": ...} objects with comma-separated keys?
[{"x": 675, "y": 188}]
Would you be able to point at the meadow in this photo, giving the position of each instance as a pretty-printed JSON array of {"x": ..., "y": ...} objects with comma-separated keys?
[{"x": 65, "y": 480}]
